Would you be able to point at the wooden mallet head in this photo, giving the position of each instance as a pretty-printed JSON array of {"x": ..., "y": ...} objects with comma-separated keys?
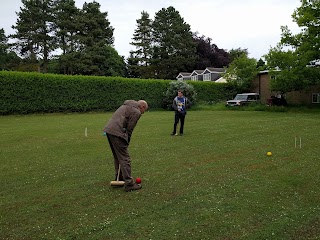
[{"x": 117, "y": 182}]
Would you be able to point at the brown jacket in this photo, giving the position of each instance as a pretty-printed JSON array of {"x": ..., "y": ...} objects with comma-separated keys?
[{"x": 124, "y": 120}]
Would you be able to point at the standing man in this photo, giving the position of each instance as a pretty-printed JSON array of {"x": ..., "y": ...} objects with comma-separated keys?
[
  {"x": 180, "y": 105},
  {"x": 119, "y": 131}
]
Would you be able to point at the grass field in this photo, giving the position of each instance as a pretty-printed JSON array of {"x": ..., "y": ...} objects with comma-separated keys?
[{"x": 215, "y": 182}]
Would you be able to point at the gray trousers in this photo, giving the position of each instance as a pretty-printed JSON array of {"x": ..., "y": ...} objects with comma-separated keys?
[{"x": 119, "y": 148}]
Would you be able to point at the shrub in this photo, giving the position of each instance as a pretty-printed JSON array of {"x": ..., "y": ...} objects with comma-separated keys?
[{"x": 171, "y": 93}]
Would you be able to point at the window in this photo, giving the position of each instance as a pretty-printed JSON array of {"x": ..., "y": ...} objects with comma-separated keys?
[
  {"x": 206, "y": 77},
  {"x": 315, "y": 97},
  {"x": 194, "y": 78},
  {"x": 251, "y": 97}
]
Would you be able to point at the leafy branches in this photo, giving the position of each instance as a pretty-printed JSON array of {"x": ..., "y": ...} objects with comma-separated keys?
[
  {"x": 84, "y": 36},
  {"x": 241, "y": 72},
  {"x": 295, "y": 52}
]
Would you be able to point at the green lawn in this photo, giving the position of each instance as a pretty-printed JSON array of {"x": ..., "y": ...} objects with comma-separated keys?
[{"x": 215, "y": 182}]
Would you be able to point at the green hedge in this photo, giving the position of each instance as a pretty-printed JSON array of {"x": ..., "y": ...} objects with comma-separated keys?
[
  {"x": 23, "y": 92},
  {"x": 209, "y": 93}
]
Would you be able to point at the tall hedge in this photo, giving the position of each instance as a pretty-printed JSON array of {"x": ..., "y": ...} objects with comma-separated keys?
[
  {"x": 22, "y": 92},
  {"x": 209, "y": 93}
]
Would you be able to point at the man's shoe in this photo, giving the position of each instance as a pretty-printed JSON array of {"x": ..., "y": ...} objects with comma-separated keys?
[
  {"x": 173, "y": 134},
  {"x": 133, "y": 187},
  {"x": 181, "y": 134}
]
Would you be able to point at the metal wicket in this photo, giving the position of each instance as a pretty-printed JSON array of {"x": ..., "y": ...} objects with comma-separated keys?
[{"x": 297, "y": 142}]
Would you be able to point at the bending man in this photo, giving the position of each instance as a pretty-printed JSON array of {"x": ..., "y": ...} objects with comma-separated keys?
[{"x": 119, "y": 131}]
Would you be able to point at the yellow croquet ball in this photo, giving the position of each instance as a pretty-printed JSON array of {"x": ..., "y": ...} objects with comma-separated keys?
[{"x": 269, "y": 153}]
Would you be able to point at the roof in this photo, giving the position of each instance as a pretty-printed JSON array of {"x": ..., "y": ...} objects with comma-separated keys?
[
  {"x": 184, "y": 74},
  {"x": 218, "y": 70},
  {"x": 200, "y": 72},
  {"x": 267, "y": 71},
  {"x": 197, "y": 72},
  {"x": 221, "y": 80},
  {"x": 247, "y": 94}
]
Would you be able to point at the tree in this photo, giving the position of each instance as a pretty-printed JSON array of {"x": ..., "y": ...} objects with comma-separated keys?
[
  {"x": 288, "y": 78},
  {"x": 34, "y": 31},
  {"x": 89, "y": 48},
  {"x": 100, "y": 60},
  {"x": 236, "y": 53},
  {"x": 142, "y": 40},
  {"x": 173, "y": 46},
  {"x": 208, "y": 54},
  {"x": 94, "y": 26},
  {"x": 241, "y": 72},
  {"x": 294, "y": 53},
  {"x": 3, "y": 49},
  {"x": 67, "y": 23},
  {"x": 8, "y": 59},
  {"x": 67, "y": 19},
  {"x": 115, "y": 64},
  {"x": 133, "y": 68},
  {"x": 261, "y": 65},
  {"x": 94, "y": 36}
]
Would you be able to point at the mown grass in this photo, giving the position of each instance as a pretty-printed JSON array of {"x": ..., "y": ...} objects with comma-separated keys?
[
  {"x": 215, "y": 182},
  {"x": 221, "y": 106}
]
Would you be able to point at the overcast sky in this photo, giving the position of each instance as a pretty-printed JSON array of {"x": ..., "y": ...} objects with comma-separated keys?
[{"x": 247, "y": 24}]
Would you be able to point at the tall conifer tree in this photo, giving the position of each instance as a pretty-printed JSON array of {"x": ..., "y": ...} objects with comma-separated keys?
[
  {"x": 142, "y": 40},
  {"x": 67, "y": 18},
  {"x": 174, "y": 48},
  {"x": 35, "y": 31}
]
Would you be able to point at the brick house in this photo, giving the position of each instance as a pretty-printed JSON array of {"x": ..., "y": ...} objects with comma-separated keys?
[{"x": 261, "y": 85}]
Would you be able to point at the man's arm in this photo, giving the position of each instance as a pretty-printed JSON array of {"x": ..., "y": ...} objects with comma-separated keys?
[
  {"x": 174, "y": 104},
  {"x": 134, "y": 118},
  {"x": 188, "y": 103}
]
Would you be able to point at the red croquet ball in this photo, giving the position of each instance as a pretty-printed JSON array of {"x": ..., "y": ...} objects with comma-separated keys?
[{"x": 138, "y": 180}]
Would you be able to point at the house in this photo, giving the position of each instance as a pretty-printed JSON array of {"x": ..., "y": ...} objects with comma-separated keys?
[
  {"x": 309, "y": 96},
  {"x": 212, "y": 74},
  {"x": 184, "y": 76},
  {"x": 196, "y": 75},
  {"x": 261, "y": 85},
  {"x": 208, "y": 74}
]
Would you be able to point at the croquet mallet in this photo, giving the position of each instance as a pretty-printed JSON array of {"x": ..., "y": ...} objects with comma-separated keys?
[{"x": 117, "y": 182}]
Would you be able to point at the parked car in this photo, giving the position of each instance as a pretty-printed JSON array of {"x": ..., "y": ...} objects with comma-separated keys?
[
  {"x": 278, "y": 100},
  {"x": 243, "y": 99}
]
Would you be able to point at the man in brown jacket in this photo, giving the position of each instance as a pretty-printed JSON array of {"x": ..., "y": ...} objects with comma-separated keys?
[{"x": 119, "y": 131}]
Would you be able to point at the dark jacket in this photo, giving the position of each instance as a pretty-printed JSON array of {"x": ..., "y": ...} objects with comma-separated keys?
[
  {"x": 124, "y": 120},
  {"x": 186, "y": 104}
]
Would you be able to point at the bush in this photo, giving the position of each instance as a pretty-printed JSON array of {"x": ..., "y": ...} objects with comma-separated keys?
[{"x": 171, "y": 93}]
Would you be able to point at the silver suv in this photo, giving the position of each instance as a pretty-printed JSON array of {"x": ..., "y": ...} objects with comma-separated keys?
[{"x": 243, "y": 99}]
